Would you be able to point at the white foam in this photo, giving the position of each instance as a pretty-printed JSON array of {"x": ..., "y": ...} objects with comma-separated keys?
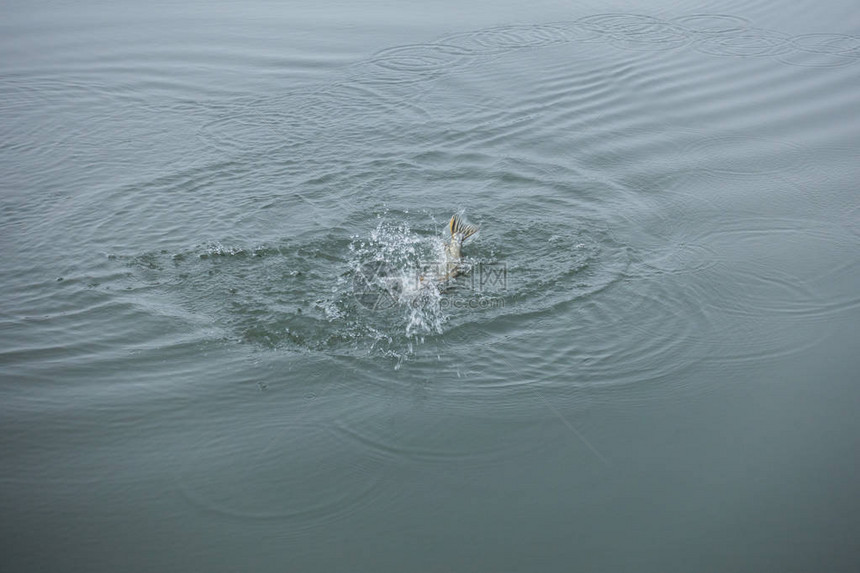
[{"x": 402, "y": 258}]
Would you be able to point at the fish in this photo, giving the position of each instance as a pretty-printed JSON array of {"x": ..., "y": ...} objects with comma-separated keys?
[{"x": 452, "y": 266}]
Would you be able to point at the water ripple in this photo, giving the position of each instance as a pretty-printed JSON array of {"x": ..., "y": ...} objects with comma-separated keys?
[
  {"x": 732, "y": 154},
  {"x": 748, "y": 42},
  {"x": 822, "y": 50},
  {"x": 712, "y": 23},
  {"x": 410, "y": 64},
  {"x": 301, "y": 473},
  {"x": 505, "y": 38},
  {"x": 391, "y": 131},
  {"x": 637, "y": 32}
]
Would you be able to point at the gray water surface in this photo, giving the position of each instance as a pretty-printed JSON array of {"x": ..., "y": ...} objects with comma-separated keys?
[{"x": 216, "y": 355}]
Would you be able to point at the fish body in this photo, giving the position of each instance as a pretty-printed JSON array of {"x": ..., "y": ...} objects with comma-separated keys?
[{"x": 460, "y": 231}]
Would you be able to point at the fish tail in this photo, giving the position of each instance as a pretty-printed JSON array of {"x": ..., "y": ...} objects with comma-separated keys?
[{"x": 458, "y": 227}]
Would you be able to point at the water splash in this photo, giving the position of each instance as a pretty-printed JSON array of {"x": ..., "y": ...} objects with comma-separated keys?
[{"x": 388, "y": 273}]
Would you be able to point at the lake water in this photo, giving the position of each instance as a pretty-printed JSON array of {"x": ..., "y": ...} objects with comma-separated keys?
[{"x": 216, "y": 354}]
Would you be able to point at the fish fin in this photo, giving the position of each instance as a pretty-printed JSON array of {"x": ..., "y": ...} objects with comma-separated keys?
[{"x": 458, "y": 227}]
